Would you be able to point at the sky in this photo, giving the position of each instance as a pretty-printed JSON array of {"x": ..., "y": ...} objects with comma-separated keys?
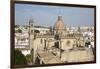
[{"x": 45, "y": 15}]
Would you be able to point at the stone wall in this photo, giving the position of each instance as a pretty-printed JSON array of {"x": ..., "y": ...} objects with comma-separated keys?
[
  {"x": 78, "y": 56},
  {"x": 67, "y": 44}
]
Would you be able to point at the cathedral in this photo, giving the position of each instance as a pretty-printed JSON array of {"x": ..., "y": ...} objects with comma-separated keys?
[
  {"x": 58, "y": 41},
  {"x": 56, "y": 44},
  {"x": 57, "y": 37}
]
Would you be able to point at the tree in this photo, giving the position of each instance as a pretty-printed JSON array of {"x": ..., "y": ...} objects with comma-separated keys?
[
  {"x": 20, "y": 59},
  {"x": 17, "y": 26},
  {"x": 79, "y": 30},
  {"x": 37, "y": 31},
  {"x": 51, "y": 29},
  {"x": 29, "y": 58},
  {"x": 19, "y": 31}
]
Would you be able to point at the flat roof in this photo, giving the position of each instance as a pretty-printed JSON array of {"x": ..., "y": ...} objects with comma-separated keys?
[{"x": 48, "y": 58}]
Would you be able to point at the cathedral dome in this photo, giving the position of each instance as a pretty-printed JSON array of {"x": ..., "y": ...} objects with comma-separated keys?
[{"x": 59, "y": 25}]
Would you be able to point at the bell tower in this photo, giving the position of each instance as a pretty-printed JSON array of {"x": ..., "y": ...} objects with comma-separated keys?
[
  {"x": 31, "y": 33},
  {"x": 31, "y": 39}
]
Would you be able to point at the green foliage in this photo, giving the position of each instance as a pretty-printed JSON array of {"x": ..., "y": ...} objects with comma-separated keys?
[
  {"x": 19, "y": 31},
  {"x": 17, "y": 26},
  {"x": 37, "y": 31},
  {"x": 20, "y": 59},
  {"x": 29, "y": 58}
]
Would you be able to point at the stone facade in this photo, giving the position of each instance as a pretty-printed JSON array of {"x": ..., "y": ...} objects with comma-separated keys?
[
  {"x": 65, "y": 46},
  {"x": 77, "y": 56}
]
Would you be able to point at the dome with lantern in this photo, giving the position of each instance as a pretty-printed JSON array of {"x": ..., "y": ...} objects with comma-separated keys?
[{"x": 59, "y": 25}]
